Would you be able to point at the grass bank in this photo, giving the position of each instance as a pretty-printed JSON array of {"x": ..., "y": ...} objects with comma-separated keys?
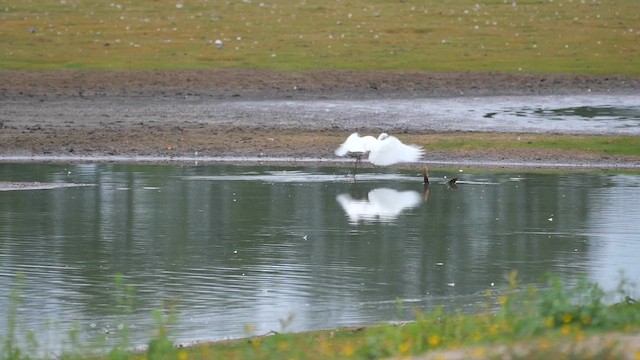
[
  {"x": 536, "y": 36},
  {"x": 243, "y": 142},
  {"x": 558, "y": 320},
  {"x": 601, "y": 145}
]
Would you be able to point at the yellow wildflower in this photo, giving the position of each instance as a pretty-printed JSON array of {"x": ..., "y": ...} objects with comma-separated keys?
[
  {"x": 348, "y": 350},
  {"x": 404, "y": 347},
  {"x": 565, "y": 329},
  {"x": 183, "y": 355},
  {"x": 434, "y": 340},
  {"x": 567, "y": 318}
]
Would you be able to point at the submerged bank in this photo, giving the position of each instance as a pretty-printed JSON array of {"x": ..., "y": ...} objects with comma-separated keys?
[{"x": 567, "y": 163}]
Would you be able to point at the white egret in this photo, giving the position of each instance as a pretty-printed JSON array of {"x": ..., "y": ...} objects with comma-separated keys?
[
  {"x": 356, "y": 146},
  {"x": 383, "y": 151}
]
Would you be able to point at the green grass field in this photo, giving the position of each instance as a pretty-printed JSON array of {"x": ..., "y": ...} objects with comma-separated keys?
[
  {"x": 600, "y": 145},
  {"x": 534, "y": 36}
]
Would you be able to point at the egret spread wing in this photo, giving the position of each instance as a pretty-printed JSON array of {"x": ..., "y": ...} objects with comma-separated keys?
[
  {"x": 390, "y": 150},
  {"x": 356, "y": 144},
  {"x": 351, "y": 142}
]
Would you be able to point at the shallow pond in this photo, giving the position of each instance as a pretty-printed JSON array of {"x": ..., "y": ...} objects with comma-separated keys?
[
  {"x": 292, "y": 249},
  {"x": 574, "y": 114}
]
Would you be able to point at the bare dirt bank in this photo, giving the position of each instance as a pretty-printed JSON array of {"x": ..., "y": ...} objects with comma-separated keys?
[
  {"x": 312, "y": 84},
  {"x": 115, "y": 113}
]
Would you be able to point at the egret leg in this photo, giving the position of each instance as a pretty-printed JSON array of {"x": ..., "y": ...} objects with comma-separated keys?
[{"x": 355, "y": 169}]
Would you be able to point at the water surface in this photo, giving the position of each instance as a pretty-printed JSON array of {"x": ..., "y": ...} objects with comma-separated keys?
[{"x": 293, "y": 248}]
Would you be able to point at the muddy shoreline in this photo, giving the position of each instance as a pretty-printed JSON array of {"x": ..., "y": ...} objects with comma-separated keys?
[
  {"x": 150, "y": 116},
  {"x": 334, "y": 84}
]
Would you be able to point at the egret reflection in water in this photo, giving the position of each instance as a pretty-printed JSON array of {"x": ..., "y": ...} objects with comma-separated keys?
[{"x": 381, "y": 204}]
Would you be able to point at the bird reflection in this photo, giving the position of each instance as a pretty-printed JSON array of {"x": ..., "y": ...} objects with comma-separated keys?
[
  {"x": 425, "y": 187},
  {"x": 382, "y": 204}
]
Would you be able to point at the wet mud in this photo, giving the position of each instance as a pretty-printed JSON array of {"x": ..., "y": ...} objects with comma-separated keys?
[{"x": 218, "y": 113}]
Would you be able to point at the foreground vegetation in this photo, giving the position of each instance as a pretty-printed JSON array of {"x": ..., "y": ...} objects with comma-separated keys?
[
  {"x": 557, "y": 321},
  {"x": 551, "y": 36}
]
